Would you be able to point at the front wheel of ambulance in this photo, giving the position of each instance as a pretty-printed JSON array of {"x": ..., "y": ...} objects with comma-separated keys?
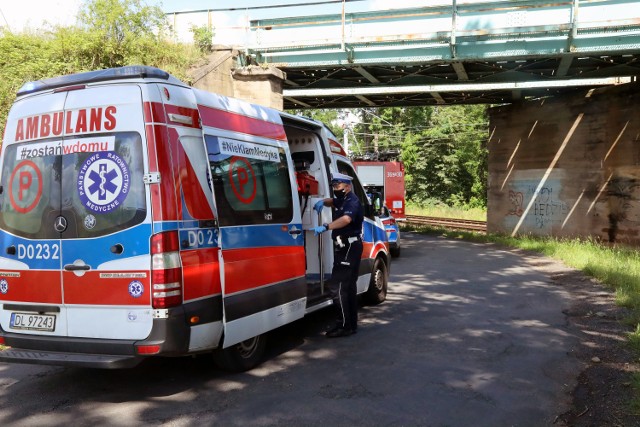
[
  {"x": 242, "y": 356},
  {"x": 377, "y": 291}
]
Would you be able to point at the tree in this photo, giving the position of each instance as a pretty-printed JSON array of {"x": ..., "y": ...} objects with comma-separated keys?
[
  {"x": 326, "y": 116},
  {"x": 447, "y": 159},
  {"x": 111, "y": 33},
  {"x": 119, "y": 31},
  {"x": 443, "y": 148},
  {"x": 203, "y": 38}
]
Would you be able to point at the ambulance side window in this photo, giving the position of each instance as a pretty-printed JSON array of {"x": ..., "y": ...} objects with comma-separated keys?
[{"x": 251, "y": 182}]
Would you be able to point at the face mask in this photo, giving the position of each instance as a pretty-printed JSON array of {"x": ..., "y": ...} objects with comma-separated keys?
[{"x": 339, "y": 194}]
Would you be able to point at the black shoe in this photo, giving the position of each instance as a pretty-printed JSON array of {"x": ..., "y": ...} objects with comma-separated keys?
[
  {"x": 340, "y": 333},
  {"x": 332, "y": 329}
]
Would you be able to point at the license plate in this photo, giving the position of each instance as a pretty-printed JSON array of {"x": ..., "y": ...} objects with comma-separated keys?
[{"x": 34, "y": 322}]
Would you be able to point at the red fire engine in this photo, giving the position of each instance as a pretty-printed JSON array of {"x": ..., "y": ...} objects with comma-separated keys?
[{"x": 382, "y": 175}]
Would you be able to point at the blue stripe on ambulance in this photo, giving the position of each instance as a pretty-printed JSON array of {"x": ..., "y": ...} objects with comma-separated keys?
[
  {"x": 96, "y": 251},
  {"x": 36, "y": 254},
  {"x": 258, "y": 236}
]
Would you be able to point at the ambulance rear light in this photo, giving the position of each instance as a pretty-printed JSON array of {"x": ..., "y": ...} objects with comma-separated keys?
[
  {"x": 166, "y": 270},
  {"x": 148, "y": 349},
  {"x": 2, "y": 342},
  {"x": 70, "y": 88},
  {"x": 129, "y": 72}
]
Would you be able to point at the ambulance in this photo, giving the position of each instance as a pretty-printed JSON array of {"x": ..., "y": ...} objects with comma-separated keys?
[{"x": 141, "y": 217}]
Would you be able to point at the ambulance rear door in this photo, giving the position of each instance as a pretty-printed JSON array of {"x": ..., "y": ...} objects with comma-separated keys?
[
  {"x": 88, "y": 192},
  {"x": 30, "y": 250}
]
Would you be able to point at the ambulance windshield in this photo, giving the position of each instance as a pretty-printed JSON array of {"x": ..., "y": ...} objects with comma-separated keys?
[{"x": 74, "y": 187}]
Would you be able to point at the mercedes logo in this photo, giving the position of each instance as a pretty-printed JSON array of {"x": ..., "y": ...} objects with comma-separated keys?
[{"x": 61, "y": 224}]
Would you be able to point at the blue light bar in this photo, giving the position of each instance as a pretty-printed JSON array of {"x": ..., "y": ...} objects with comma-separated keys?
[{"x": 128, "y": 72}]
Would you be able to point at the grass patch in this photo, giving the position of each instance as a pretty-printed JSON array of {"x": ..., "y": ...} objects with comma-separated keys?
[
  {"x": 441, "y": 210},
  {"x": 615, "y": 266}
]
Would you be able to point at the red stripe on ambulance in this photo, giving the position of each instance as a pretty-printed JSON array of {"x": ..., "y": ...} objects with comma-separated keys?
[
  {"x": 250, "y": 268},
  {"x": 111, "y": 291},
  {"x": 201, "y": 273},
  {"x": 35, "y": 286},
  {"x": 241, "y": 123}
]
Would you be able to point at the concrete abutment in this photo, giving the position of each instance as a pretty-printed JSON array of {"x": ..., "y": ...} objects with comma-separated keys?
[
  {"x": 567, "y": 166},
  {"x": 252, "y": 83}
]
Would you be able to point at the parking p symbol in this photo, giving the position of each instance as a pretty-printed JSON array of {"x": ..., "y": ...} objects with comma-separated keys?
[
  {"x": 24, "y": 182},
  {"x": 25, "y": 186},
  {"x": 242, "y": 179}
]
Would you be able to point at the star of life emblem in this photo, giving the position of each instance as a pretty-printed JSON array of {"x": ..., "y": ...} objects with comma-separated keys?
[{"x": 103, "y": 182}]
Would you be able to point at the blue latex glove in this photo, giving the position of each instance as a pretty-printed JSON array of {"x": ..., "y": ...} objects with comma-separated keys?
[
  {"x": 319, "y": 229},
  {"x": 318, "y": 206}
]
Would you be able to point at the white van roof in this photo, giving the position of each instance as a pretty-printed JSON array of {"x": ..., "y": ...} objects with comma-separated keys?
[{"x": 128, "y": 72}]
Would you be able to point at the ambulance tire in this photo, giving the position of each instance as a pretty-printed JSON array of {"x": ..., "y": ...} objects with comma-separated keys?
[
  {"x": 377, "y": 291},
  {"x": 242, "y": 356}
]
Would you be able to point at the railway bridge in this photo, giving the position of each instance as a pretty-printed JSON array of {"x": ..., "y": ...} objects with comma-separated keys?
[{"x": 564, "y": 137}]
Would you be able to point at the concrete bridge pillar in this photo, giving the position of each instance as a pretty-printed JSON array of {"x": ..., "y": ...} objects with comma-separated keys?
[
  {"x": 567, "y": 166},
  {"x": 256, "y": 84}
]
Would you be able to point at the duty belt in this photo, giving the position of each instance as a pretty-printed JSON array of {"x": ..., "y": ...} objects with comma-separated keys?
[{"x": 340, "y": 240}]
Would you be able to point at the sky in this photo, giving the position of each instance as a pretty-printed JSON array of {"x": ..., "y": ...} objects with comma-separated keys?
[{"x": 63, "y": 12}]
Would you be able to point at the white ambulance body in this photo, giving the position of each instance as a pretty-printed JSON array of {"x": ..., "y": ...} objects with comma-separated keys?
[{"x": 142, "y": 217}]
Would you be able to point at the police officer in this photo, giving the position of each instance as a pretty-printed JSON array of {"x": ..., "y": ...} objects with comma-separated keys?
[{"x": 346, "y": 230}]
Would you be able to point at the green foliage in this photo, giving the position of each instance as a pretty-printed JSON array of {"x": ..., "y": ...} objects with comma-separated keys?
[
  {"x": 111, "y": 33},
  {"x": 326, "y": 116},
  {"x": 203, "y": 38},
  {"x": 447, "y": 158},
  {"x": 436, "y": 208},
  {"x": 119, "y": 32},
  {"x": 443, "y": 149}
]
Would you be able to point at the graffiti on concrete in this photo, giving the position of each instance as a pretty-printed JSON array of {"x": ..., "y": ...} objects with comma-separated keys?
[
  {"x": 516, "y": 198},
  {"x": 546, "y": 207}
]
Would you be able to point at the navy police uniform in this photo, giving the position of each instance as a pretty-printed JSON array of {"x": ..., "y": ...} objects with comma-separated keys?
[{"x": 346, "y": 262}]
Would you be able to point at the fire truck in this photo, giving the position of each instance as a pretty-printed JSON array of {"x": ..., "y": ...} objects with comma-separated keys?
[{"x": 383, "y": 174}]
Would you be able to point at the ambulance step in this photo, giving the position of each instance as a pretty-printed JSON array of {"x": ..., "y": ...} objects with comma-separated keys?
[
  {"x": 318, "y": 304},
  {"x": 317, "y": 297},
  {"x": 36, "y": 357},
  {"x": 314, "y": 290}
]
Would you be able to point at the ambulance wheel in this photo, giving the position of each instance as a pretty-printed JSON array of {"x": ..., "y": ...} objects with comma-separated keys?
[
  {"x": 242, "y": 356},
  {"x": 377, "y": 291}
]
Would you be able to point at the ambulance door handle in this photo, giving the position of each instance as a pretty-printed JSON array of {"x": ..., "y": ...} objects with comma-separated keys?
[
  {"x": 295, "y": 232},
  {"x": 75, "y": 267}
]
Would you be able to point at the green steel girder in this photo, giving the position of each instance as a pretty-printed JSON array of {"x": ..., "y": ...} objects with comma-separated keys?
[{"x": 481, "y": 42}]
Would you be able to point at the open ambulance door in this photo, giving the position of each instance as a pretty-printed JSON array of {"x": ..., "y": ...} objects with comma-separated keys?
[{"x": 262, "y": 256}]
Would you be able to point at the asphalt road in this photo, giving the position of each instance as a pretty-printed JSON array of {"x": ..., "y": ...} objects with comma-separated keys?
[{"x": 470, "y": 335}]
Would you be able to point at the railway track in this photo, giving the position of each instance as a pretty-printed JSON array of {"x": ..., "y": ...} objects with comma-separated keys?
[{"x": 450, "y": 223}]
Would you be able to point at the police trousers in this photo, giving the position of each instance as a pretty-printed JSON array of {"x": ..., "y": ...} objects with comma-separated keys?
[{"x": 343, "y": 283}]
